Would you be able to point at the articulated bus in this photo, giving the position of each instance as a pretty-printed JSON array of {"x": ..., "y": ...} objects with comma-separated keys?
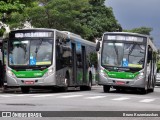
[
  {"x": 126, "y": 60},
  {"x": 47, "y": 58}
]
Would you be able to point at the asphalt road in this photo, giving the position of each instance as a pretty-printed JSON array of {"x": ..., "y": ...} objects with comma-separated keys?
[{"x": 75, "y": 100}]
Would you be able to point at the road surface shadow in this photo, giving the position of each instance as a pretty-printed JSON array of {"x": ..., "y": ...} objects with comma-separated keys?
[{"x": 38, "y": 90}]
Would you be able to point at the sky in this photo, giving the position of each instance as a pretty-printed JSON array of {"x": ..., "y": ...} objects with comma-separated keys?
[{"x": 137, "y": 13}]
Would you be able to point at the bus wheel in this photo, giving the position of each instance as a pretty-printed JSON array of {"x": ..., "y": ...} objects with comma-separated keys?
[
  {"x": 89, "y": 87},
  {"x": 25, "y": 89},
  {"x": 4, "y": 88},
  {"x": 106, "y": 88},
  {"x": 153, "y": 85},
  {"x": 65, "y": 88},
  {"x": 151, "y": 90},
  {"x": 143, "y": 91},
  {"x": 54, "y": 89}
]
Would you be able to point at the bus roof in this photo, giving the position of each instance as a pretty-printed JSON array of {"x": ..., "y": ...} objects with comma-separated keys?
[
  {"x": 70, "y": 34},
  {"x": 135, "y": 34},
  {"x": 78, "y": 38},
  {"x": 34, "y": 29},
  {"x": 127, "y": 33}
]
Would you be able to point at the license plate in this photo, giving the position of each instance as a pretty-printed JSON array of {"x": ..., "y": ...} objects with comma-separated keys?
[
  {"x": 29, "y": 82},
  {"x": 120, "y": 83}
]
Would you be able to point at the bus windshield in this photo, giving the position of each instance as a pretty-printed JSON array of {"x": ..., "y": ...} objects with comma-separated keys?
[
  {"x": 123, "y": 54},
  {"x": 30, "y": 52}
]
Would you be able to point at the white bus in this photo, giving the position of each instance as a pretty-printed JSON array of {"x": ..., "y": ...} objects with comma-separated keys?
[
  {"x": 126, "y": 60},
  {"x": 48, "y": 58}
]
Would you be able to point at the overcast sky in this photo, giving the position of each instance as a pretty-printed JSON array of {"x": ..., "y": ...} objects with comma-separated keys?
[{"x": 137, "y": 13}]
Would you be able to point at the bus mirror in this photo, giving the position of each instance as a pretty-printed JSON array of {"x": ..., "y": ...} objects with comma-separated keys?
[
  {"x": 67, "y": 39},
  {"x": 61, "y": 49},
  {"x": 98, "y": 46}
]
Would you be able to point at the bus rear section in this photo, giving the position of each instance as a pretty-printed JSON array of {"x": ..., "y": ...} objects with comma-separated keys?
[{"x": 127, "y": 60}]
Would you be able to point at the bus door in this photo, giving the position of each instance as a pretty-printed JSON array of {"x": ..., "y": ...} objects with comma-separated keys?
[
  {"x": 74, "y": 70},
  {"x": 84, "y": 64},
  {"x": 150, "y": 69},
  {"x": 3, "y": 63},
  {"x": 79, "y": 63}
]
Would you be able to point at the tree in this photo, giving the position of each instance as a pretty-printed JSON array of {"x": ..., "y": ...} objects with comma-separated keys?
[
  {"x": 95, "y": 20},
  {"x": 141, "y": 30},
  {"x": 88, "y": 18},
  {"x": 9, "y": 7}
]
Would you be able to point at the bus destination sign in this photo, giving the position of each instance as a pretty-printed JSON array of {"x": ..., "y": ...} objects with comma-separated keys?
[
  {"x": 33, "y": 34},
  {"x": 124, "y": 38}
]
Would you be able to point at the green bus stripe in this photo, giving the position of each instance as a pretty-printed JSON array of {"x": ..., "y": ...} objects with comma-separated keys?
[
  {"x": 121, "y": 75},
  {"x": 29, "y": 74}
]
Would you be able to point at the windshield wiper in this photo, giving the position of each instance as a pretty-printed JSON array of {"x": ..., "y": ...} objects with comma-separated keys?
[
  {"x": 131, "y": 50},
  {"x": 116, "y": 50},
  {"x": 38, "y": 46}
]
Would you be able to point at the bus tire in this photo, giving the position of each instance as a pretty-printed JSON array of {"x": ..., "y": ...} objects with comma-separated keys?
[
  {"x": 143, "y": 91},
  {"x": 106, "y": 88},
  {"x": 63, "y": 89},
  {"x": 67, "y": 80},
  {"x": 89, "y": 87},
  {"x": 4, "y": 88},
  {"x": 82, "y": 88},
  {"x": 54, "y": 89},
  {"x": 25, "y": 89},
  {"x": 153, "y": 84},
  {"x": 151, "y": 90}
]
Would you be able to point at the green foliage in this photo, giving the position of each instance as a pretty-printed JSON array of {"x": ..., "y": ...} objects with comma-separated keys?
[
  {"x": 93, "y": 59},
  {"x": 158, "y": 65},
  {"x": 2, "y": 30},
  {"x": 7, "y": 7},
  {"x": 88, "y": 18},
  {"x": 96, "y": 20},
  {"x": 96, "y": 2},
  {"x": 141, "y": 30},
  {"x": 58, "y": 14}
]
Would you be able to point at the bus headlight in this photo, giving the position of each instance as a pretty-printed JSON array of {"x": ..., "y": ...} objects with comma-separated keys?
[
  {"x": 102, "y": 72},
  {"x": 140, "y": 76},
  {"x": 10, "y": 73},
  {"x": 49, "y": 72}
]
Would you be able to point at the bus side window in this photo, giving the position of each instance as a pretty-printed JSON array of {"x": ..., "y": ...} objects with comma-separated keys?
[
  {"x": 66, "y": 54},
  {"x": 59, "y": 65},
  {"x": 79, "y": 60}
]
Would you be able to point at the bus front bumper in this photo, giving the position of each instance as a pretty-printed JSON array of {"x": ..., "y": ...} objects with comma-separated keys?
[
  {"x": 138, "y": 83},
  {"x": 43, "y": 81}
]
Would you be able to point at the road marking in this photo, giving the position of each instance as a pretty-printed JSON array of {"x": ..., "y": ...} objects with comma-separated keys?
[
  {"x": 69, "y": 96},
  {"x": 95, "y": 97},
  {"x": 147, "y": 100},
  {"x": 122, "y": 98},
  {"x": 44, "y": 95},
  {"x": 19, "y": 95},
  {"x": 5, "y": 96}
]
